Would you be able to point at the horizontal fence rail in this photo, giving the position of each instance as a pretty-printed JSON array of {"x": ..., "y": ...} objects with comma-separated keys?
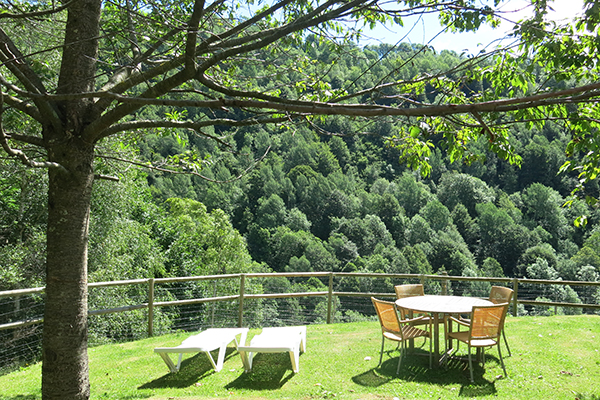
[
  {"x": 243, "y": 279},
  {"x": 135, "y": 309}
]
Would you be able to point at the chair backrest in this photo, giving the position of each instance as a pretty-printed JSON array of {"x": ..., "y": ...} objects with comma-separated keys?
[
  {"x": 487, "y": 321},
  {"x": 500, "y": 294},
  {"x": 388, "y": 317},
  {"x": 403, "y": 291}
]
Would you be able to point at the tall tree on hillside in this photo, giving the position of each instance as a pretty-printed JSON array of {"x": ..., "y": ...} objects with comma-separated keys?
[{"x": 77, "y": 72}]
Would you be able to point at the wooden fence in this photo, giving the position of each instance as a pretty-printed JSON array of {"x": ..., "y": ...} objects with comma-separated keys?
[{"x": 330, "y": 294}]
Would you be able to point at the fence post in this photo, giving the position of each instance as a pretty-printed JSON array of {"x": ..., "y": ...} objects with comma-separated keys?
[
  {"x": 241, "y": 311},
  {"x": 422, "y": 279},
  {"x": 444, "y": 284},
  {"x": 330, "y": 298},
  {"x": 515, "y": 295},
  {"x": 150, "y": 307},
  {"x": 212, "y": 313}
]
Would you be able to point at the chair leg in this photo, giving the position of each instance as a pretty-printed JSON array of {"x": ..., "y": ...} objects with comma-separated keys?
[
  {"x": 471, "y": 366},
  {"x": 381, "y": 352},
  {"x": 295, "y": 360},
  {"x": 506, "y": 343},
  {"x": 400, "y": 358},
  {"x": 430, "y": 354},
  {"x": 501, "y": 360},
  {"x": 483, "y": 356}
]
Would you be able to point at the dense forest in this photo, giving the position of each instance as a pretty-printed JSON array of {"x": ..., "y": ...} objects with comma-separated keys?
[{"x": 327, "y": 195}]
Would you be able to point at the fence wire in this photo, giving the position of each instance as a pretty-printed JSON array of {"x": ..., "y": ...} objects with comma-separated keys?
[
  {"x": 20, "y": 345},
  {"x": 121, "y": 313}
]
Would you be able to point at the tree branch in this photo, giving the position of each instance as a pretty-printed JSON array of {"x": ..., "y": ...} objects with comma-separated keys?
[
  {"x": 106, "y": 177},
  {"x": 33, "y": 140},
  {"x": 368, "y": 110},
  {"x": 583, "y": 93},
  {"x": 12, "y": 58},
  {"x": 124, "y": 79},
  {"x": 191, "y": 37},
  {"x": 24, "y": 107},
  {"x": 18, "y": 153},
  {"x": 196, "y": 126},
  {"x": 268, "y": 37},
  {"x": 37, "y": 14},
  {"x": 188, "y": 172},
  {"x": 96, "y": 128}
]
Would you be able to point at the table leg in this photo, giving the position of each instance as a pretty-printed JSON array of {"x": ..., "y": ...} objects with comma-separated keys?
[
  {"x": 450, "y": 345},
  {"x": 411, "y": 342},
  {"x": 436, "y": 339}
]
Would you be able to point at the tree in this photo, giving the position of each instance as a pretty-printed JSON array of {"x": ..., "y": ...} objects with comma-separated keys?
[
  {"x": 464, "y": 189},
  {"x": 366, "y": 233},
  {"x": 501, "y": 238},
  {"x": 127, "y": 68},
  {"x": 543, "y": 209},
  {"x": 437, "y": 215}
]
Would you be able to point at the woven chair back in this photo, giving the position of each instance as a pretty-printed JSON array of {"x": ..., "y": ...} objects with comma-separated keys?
[
  {"x": 487, "y": 321},
  {"x": 388, "y": 318},
  {"x": 500, "y": 294},
  {"x": 403, "y": 291}
]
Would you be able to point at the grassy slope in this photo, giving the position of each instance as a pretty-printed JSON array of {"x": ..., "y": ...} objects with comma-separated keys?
[{"x": 553, "y": 357}]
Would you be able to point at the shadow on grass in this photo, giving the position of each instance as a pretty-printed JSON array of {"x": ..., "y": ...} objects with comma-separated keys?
[
  {"x": 270, "y": 371},
  {"x": 415, "y": 368},
  {"x": 192, "y": 370}
]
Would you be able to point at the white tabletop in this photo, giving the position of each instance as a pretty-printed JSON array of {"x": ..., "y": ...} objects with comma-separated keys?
[{"x": 442, "y": 304}]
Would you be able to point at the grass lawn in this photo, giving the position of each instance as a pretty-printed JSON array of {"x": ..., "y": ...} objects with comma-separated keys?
[{"x": 552, "y": 358}]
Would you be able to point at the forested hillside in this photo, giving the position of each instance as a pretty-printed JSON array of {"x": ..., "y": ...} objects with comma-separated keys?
[{"x": 330, "y": 195}]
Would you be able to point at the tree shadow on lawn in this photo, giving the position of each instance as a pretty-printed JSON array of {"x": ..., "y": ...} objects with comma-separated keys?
[
  {"x": 192, "y": 370},
  {"x": 270, "y": 371},
  {"x": 415, "y": 368}
]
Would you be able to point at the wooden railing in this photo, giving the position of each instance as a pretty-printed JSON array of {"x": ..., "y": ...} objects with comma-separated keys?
[{"x": 330, "y": 294}]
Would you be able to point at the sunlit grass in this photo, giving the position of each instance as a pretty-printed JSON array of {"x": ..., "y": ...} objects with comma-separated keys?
[{"x": 552, "y": 358}]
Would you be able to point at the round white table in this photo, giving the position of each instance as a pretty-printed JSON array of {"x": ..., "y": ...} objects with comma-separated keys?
[{"x": 437, "y": 307}]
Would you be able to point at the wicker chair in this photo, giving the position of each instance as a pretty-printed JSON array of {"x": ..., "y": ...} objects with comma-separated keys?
[
  {"x": 403, "y": 291},
  {"x": 499, "y": 295},
  {"x": 398, "y": 330},
  {"x": 485, "y": 328}
]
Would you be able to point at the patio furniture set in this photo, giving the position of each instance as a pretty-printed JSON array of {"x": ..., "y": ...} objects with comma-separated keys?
[
  {"x": 411, "y": 316},
  {"x": 415, "y": 315}
]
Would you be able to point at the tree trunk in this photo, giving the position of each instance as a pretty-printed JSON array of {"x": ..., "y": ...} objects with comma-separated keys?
[
  {"x": 64, "y": 355},
  {"x": 65, "y": 372}
]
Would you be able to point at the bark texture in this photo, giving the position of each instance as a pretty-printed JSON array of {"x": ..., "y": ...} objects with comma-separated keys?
[
  {"x": 64, "y": 356},
  {"x": 64, "y": 353}
]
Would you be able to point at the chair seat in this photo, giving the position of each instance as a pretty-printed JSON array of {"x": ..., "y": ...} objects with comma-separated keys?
[
  {"x": 464, "y": 337},
  {"x": 409, "y": 332}
]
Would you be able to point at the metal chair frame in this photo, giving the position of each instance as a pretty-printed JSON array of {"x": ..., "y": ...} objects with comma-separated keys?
[
  {"x": 399, "y": 330},
  {"x": 485, "y": 329}
]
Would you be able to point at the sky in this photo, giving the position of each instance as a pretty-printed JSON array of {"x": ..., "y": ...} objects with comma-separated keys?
[{"x": 424, "y": 30}]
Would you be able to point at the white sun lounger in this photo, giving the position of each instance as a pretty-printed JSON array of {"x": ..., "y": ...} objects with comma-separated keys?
[
  {"x": 206, "y": 341},
  {"x": 276, "y": 340}
]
